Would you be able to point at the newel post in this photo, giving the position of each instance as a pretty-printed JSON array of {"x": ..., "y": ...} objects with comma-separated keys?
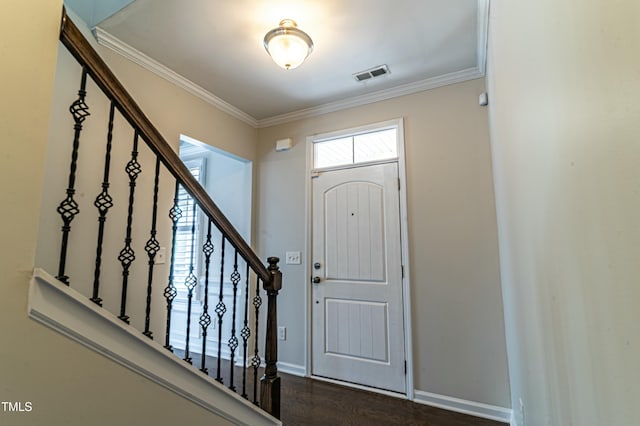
[{"x": 270, "y": 382}]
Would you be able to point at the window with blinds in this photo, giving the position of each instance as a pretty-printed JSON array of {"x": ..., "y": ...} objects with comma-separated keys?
[{"x": 188, "y": 239}]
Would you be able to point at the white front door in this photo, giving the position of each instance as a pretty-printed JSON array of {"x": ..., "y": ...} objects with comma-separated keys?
[{"x": 357, "y": 309}]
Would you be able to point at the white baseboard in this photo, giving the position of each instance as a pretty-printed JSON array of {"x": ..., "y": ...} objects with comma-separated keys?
[
  {"x": 73, "y": 315},
  {"x": 293, "y": 369},
  {"x": 464, "y": 406}
]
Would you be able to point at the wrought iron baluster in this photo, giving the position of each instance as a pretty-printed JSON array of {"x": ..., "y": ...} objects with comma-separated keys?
[
  {"x": 191, "y": 281},
  {"x": 170, "y": 290},
  {"x": 205, "y": 318},
  {"x": 127, "y": 254},
  {"x": 103, "y": 203},
  {"x": 152, "y": 247},
  {"x": 233, "y": 340},
  {"x": 245, "y": 333},
  {"x": 68, "y": 208},
  {"x": 255, "y": 361},
  {"x": 220, "y": 310}
]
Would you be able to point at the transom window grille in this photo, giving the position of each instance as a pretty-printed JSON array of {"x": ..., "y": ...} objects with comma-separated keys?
[{"x": 367, "y": 147}]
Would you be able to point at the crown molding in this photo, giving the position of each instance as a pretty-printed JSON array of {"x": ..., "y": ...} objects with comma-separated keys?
[
  {"x": 107, "y": 40},
  {"x": 381, "y": 95},
  {"x": 483, "y": 34}
]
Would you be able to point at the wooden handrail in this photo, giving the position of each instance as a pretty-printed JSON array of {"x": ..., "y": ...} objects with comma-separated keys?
[{"x": 84, "y": 53}]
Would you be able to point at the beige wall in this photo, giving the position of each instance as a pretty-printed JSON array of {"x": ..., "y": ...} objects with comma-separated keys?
[
  {"x": 66, "y": 383},
  {"x": 565, "y": 127},
  {"x": 458, "y": 331},
  {"x": 174, "y": 111}
]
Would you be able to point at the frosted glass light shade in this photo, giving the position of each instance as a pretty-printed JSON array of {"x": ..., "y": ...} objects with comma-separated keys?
[{"x": 288, "y": 45}]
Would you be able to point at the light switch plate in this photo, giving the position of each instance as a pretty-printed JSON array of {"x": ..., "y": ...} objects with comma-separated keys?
[{"x": 293, "y": 258}]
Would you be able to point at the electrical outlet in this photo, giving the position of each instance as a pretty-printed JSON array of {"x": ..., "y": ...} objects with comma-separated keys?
[
  {"x": 161, "y": 256},
  {"x": 282, "y": 333},
  {"x": 293, "y": 258}
]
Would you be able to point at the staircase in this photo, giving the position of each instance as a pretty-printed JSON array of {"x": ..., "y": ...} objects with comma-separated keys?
[{"x": 113, "y": 291}]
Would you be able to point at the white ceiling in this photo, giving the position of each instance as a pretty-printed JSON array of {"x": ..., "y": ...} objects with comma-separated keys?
[
  {"x": 95, "y": 11},
  {"x": 214, "y": 48}
]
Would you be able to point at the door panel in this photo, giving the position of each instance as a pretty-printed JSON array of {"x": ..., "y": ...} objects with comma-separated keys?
[
  {"x": 357, "y": 316},
  {"x": 354, "y": 232},
  {"x": 357, "y": 329}
]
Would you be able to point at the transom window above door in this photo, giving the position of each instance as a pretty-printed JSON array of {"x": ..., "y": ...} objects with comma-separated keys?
[{"x": 371, "y": 146}]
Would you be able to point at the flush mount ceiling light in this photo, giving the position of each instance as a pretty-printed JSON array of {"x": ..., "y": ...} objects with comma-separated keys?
[{"x": 288, "y": 45}]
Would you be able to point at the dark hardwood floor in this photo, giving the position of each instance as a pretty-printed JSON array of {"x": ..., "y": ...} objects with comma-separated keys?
[{"x": 307, "y": 402}]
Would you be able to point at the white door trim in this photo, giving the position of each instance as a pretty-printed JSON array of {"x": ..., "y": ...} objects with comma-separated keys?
[{"x": 404, "y": 236}]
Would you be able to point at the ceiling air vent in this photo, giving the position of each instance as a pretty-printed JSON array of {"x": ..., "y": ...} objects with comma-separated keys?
[{"x": 371, "y": 73}]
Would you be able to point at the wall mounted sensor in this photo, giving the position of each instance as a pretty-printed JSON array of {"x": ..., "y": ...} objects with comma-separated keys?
[
  {"x": 284, "y": 144},
  {"x": 483, "y": 99}
]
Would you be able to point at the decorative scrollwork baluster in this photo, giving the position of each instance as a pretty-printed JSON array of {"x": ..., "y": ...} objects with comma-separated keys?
[
  {"x": 220, "y": 311},
  {"x": 68, "y": 208},
  {"x": 233, "y": 340},
  {"x": 245, "y": 333},
  {"x": 152, "y": 247},
  {"x": 205, "y": 318},
  {"x": 127, "y": 254},
  {"x": 170, "y": 290},
  {"x": 255, "y": 361},
  {"x": 103, "y": 203},
  {"x": 191, "y": 281}
]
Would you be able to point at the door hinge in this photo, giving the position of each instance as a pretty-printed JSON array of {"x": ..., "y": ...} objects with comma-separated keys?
[
  {"x": 398, "y": 184},
  {"x": 402, "y": 269},
  {"x": 405, "y": 367}
]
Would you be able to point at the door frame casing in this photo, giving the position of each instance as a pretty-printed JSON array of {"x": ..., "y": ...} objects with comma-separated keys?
[{"x": 398, "y": 123}]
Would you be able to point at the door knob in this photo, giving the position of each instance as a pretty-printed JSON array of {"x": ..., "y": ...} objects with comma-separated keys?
[{"x": 316, "y": 280}]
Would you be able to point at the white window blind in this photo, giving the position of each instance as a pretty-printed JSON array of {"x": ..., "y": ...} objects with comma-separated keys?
[{"x": 183, "y": 248}]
